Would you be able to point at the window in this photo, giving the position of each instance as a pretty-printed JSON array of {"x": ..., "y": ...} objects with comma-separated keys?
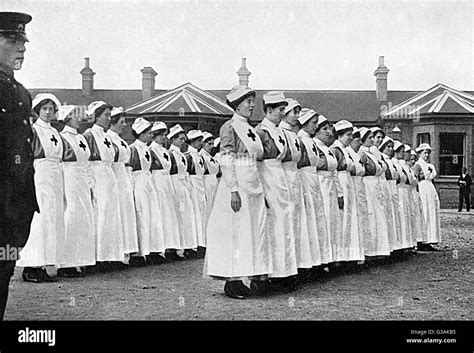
[
  {"x": 423, "y": 138},
  {"x": 451, "y": 153}
]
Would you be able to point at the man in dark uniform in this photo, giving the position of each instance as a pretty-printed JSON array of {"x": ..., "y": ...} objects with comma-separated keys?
[
  {"x": 17, "y": 191},
  {"x": 464, "y": 183}
]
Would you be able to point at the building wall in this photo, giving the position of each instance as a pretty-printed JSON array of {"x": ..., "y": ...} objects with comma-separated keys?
[{"x": 447, "y": 187}]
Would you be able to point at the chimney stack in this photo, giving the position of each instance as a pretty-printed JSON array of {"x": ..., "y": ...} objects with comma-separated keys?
[
  {"x": 381, "y": 80},
  {"x": 148, "y": 82},
  {"x": 87, "y": 79},
  {"x": 244, "y": 73}
]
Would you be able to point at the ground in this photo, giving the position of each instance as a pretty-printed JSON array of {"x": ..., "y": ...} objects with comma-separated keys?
[{"x": 428, "y": 286}]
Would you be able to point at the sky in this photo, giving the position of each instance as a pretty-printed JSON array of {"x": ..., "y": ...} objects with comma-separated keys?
[{"x": 293, "y": 44}]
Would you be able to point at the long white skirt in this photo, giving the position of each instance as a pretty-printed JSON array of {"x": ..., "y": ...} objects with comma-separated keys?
[
  {"x": 45, "y": 245},
  {"x": 185, "y": 212},
  {"x": 404, "y": 207},
  {"x": 396, "y": 241},
  {"x": 108, "y": 221},
  {"x": 80, "y": 244},
  {"x": 430, "y": 203},
  {"x": 127, "y": 208},
  {"x": 331, "y": 211},
  {"x": 280, "y": 222},
  {"x": 167, "y": 209},
  {"x": 376, "y": 240},
  {"x": 419, "y": 224},
  {"x": 315, "y": 218},
  {"x": 298, "y": 216},
  {"x": 237, "y": 242},
  {"x": 210, "y": 185},
  {"x": 362, "y": 209},
  {"x": 149, "y": 226},
  {"x": 348, "y": 246},
  {"x": 389, "y": 211},
  {"x": 198, "y": 197}
]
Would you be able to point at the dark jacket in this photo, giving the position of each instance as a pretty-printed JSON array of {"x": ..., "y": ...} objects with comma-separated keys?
[
  {"x": 17, "y": 189},
  {"x": 465, "y": 188}
]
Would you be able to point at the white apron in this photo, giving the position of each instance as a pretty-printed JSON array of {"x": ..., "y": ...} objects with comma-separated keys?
[
  {"x": 127, "y": 203},
  {"x": 198, "y": 196},
  {"x": 349, "y": 247},
  {"x": 210, "y": 181},
  {"x": 183, "y": 202},
  {"x": 404, "y": 207},
  {"x": 388, "y": 201},
  {"x": 237, "y": 242},
  {"x": 79, "y": 214},
  {"x": 418, "y": 223},
  {"x": 361, "y": 198},
  {"x": 149, "y": 226},
  {"x": 396, "y": 239},
  {"x": 109, "y": 233},
  {"x": 430, "y": 202},
  {"x": 329, "y": 194},
  {"x": 320, "y": 242},
  {"x": 164, "y": 190},
  {"x": 280, "y": 221},
  {"x": 376, "y": 241},
  {"x": 303, "y": 241},
  {"x": 45, "y": 245}
]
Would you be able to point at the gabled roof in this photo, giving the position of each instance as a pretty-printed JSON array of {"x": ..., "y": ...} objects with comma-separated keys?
[
  {"x": 438, "y": 99},
  {"x": 186, "y": 98}
]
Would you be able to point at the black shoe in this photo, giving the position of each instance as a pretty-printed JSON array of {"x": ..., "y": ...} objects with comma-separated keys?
[
  {"x": 201, "y": 252},
  {"x": 31, "y": 274},
  {"x": 157, "y": 259},
  {"x": 191, "y": 254},
  {"x": 137, "y": 261},
  {"x": 234, "y": 290},
  {"x": 91, "y": 269},
  {"x": 46, "y": 277},
  {"x": 69, "y": 273},
  {"x": 428, "y": 247},
  {"x": 173, "y": 256},
  {"x": 258, "y": 288}
]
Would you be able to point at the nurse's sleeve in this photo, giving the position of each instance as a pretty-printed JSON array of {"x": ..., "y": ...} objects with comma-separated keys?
[{"x": 227, "y": 156}]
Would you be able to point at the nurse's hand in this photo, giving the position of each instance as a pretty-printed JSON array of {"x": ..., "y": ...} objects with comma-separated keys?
[
  {"x": 340, "y": 202},
  {"x": 235, "y": 202}
]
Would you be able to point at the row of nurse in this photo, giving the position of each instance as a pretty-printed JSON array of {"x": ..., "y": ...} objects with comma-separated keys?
[
  {"x": 295, "y": 199},
  {"x": 101, "y": 200}
]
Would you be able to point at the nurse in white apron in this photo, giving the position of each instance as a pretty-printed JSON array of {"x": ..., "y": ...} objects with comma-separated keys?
[
  {"x": 404, "y": 199},
  {"x": 332, "y": 199},
  {"x": 160, "y": 173},
  {"x": 392, "y": 177},
  {"x": 124, "y": 180},
  {"x": 79, "y": 245},
  {"x": 182, "y": 193},
  {"x": 378, "y": 136},
  {"x": 106, "y": 199},
  {"x": 376, "y": 242},
  {"x": 319, "y": 246},
  {"x": 211, "y": 172},
  {"x": 196, "y": 169},
  {"x": 277, "y": 191},
  {"x": 45, "y": 245},
  {"x": 357, "y": 177},
  {"x": 149, "y": 227},
  {"x": 426, "y": 173},
  {"x": 238, "y": 246},
  {"x": 419, "y": 223},
  {"x": 349, "y": 246},
  {"x": 303, "y": 241}
]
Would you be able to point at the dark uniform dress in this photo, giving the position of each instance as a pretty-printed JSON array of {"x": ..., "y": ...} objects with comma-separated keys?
[{"x": 17, "y": 189}]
